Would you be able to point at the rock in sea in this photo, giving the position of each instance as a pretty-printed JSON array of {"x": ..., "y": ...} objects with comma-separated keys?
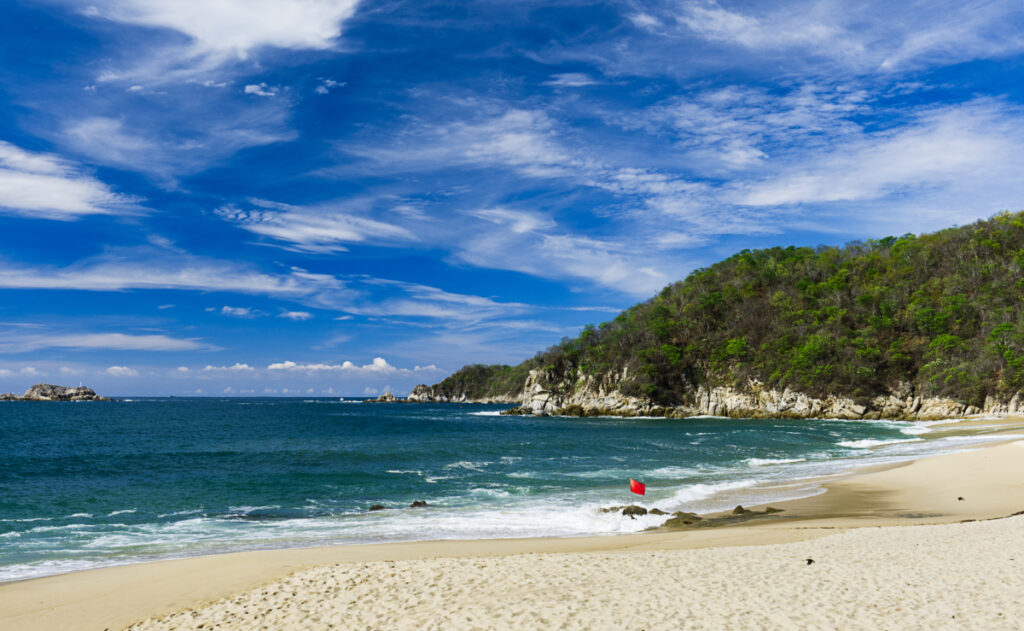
[{"x": 50, "y": 392}]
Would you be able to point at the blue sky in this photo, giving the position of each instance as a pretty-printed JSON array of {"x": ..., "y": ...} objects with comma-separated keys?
[{"x": 335, "y": 197}]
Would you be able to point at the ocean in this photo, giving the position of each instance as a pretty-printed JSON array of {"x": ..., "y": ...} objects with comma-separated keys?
[{"x": 91, "y": 484}]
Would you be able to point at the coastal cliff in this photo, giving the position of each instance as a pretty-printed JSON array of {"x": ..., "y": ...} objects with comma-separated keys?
[
  {"x": 587, "y": 397},
  {"x": 50, "y": 392},
  {"x": 910, "y": 327}
]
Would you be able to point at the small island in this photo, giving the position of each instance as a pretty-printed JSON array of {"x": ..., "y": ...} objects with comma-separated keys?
[{"x": 50, "y": 392}]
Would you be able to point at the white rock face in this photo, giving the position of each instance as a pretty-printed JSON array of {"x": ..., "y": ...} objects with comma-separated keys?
[
  {"x": 428, "y": 394},
  {"x": 542, "y": 396}
]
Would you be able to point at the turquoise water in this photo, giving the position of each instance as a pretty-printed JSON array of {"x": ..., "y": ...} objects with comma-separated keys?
[{"x": 90, "y": 484}]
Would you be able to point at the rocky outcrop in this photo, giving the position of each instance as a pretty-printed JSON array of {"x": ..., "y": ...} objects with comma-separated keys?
[
  {"x": 50, "y": 392},
  {"x": 432, "y": 394},
  {"x": 387, "y": 397},
  {"x": 587, "y": 395}
]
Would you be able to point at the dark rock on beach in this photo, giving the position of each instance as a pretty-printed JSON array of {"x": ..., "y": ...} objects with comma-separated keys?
[
  {"x": 657, "y": 511},
  {"x": 633, "y": 511},
  {"x": 377, "y": 507},
  {"x": 50, "y": 392},
  {"x": 418, "y": 504},
  {"x": 739, "y": 515}
]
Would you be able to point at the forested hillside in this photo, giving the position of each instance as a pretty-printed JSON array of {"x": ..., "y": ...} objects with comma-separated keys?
[{"x": 943, "y": 312}]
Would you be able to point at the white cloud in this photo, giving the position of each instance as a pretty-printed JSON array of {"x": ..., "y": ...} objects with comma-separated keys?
[
  {"x": 778, "y": 30},
  {"x": 182, "y": 369},
  {"x": 30, "y": 370},
  {"x": 322, "y": 228},
  {"x": 522, "y": 139},
  {"x": 948, "y": 147},
  {"x": 644, "y": 21},
  {"x": 379, "y": 366},
  {"x": 122, "y": 371},
  {"x": 298, "y": 316},
  {"x": 224, "y": 31},
  {"x": 609, "y": 263},
  {"x": 182, "y": 141},
  {"x": 240, "y": 312},
  {"x": 237, "y": 367},
  {"x": 570, "y": 80},
  {"x": 111, "y": 341},
  {"x": 147, "y": 268},
  {"x": 47, "y": 186},
  {"x": 822, "y": 35},
  {"x": 260, "y": 89},
  {"x": 517, "y": 221},
  {"x": 326, "y": 85},
  {"x": 736, "y": 128}
]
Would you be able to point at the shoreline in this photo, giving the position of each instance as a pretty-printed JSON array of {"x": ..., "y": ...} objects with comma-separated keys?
[{"x": 921, "y": 491}]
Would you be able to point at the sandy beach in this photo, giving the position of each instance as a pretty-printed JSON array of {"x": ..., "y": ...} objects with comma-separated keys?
[{"x": 869, "y": 571}]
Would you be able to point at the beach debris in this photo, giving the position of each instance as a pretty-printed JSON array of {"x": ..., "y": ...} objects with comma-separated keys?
[
  {"x": 633, "y": 511},
  {"x": 377, "y": 507},
  {"x": 810, "y": 561},
  {"x": 418, "y": 504},
  {"x": 959, "y": 499},
  {"x": 637, "y": 487}
]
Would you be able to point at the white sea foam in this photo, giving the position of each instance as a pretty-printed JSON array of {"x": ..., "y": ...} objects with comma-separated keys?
[
  {"x": 486, "y": 413},
  {"x": 126, "y": 511},
  {"x": 983, "y": 437},
  {"x": 867, "y": 443},
  {"x": 469, "y": 466},
  {"x": 763, "y": 462},
  {"x": 672, "y": 472}
]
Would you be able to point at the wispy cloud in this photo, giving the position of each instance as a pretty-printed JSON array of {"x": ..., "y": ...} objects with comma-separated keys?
[
  {"x": 570, "y": 80},
  {"x": 321, "y": 228},
  {"x": 813, "y": 36},
  {"x": 47, "y": 186},
  {"x": 185, "y": 141},
  {"x": 297, "y": 316},
  {"x": 947, "y": 147},
  {"x": 239, "y": 312},
  {"x": 108, "y": 341}
]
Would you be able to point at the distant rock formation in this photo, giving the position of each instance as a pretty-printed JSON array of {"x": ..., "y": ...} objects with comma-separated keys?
[
  {"x": 436, "y": 394},
  {"x": 50, "y": 392},
  {"x": 387, "y": 397}
]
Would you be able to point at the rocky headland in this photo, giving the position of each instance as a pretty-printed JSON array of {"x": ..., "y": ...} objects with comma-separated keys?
[
  {"x": 50, "y": 392},
  {"x": 917, "y": 327}
]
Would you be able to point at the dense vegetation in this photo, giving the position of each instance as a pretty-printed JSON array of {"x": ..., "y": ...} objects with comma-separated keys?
[
  {"x": 943, "y": 311},
  {"x": 479, "y": 381}
]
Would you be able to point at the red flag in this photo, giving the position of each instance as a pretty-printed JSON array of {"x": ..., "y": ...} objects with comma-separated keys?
[{"x": 637, "y": 487}]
